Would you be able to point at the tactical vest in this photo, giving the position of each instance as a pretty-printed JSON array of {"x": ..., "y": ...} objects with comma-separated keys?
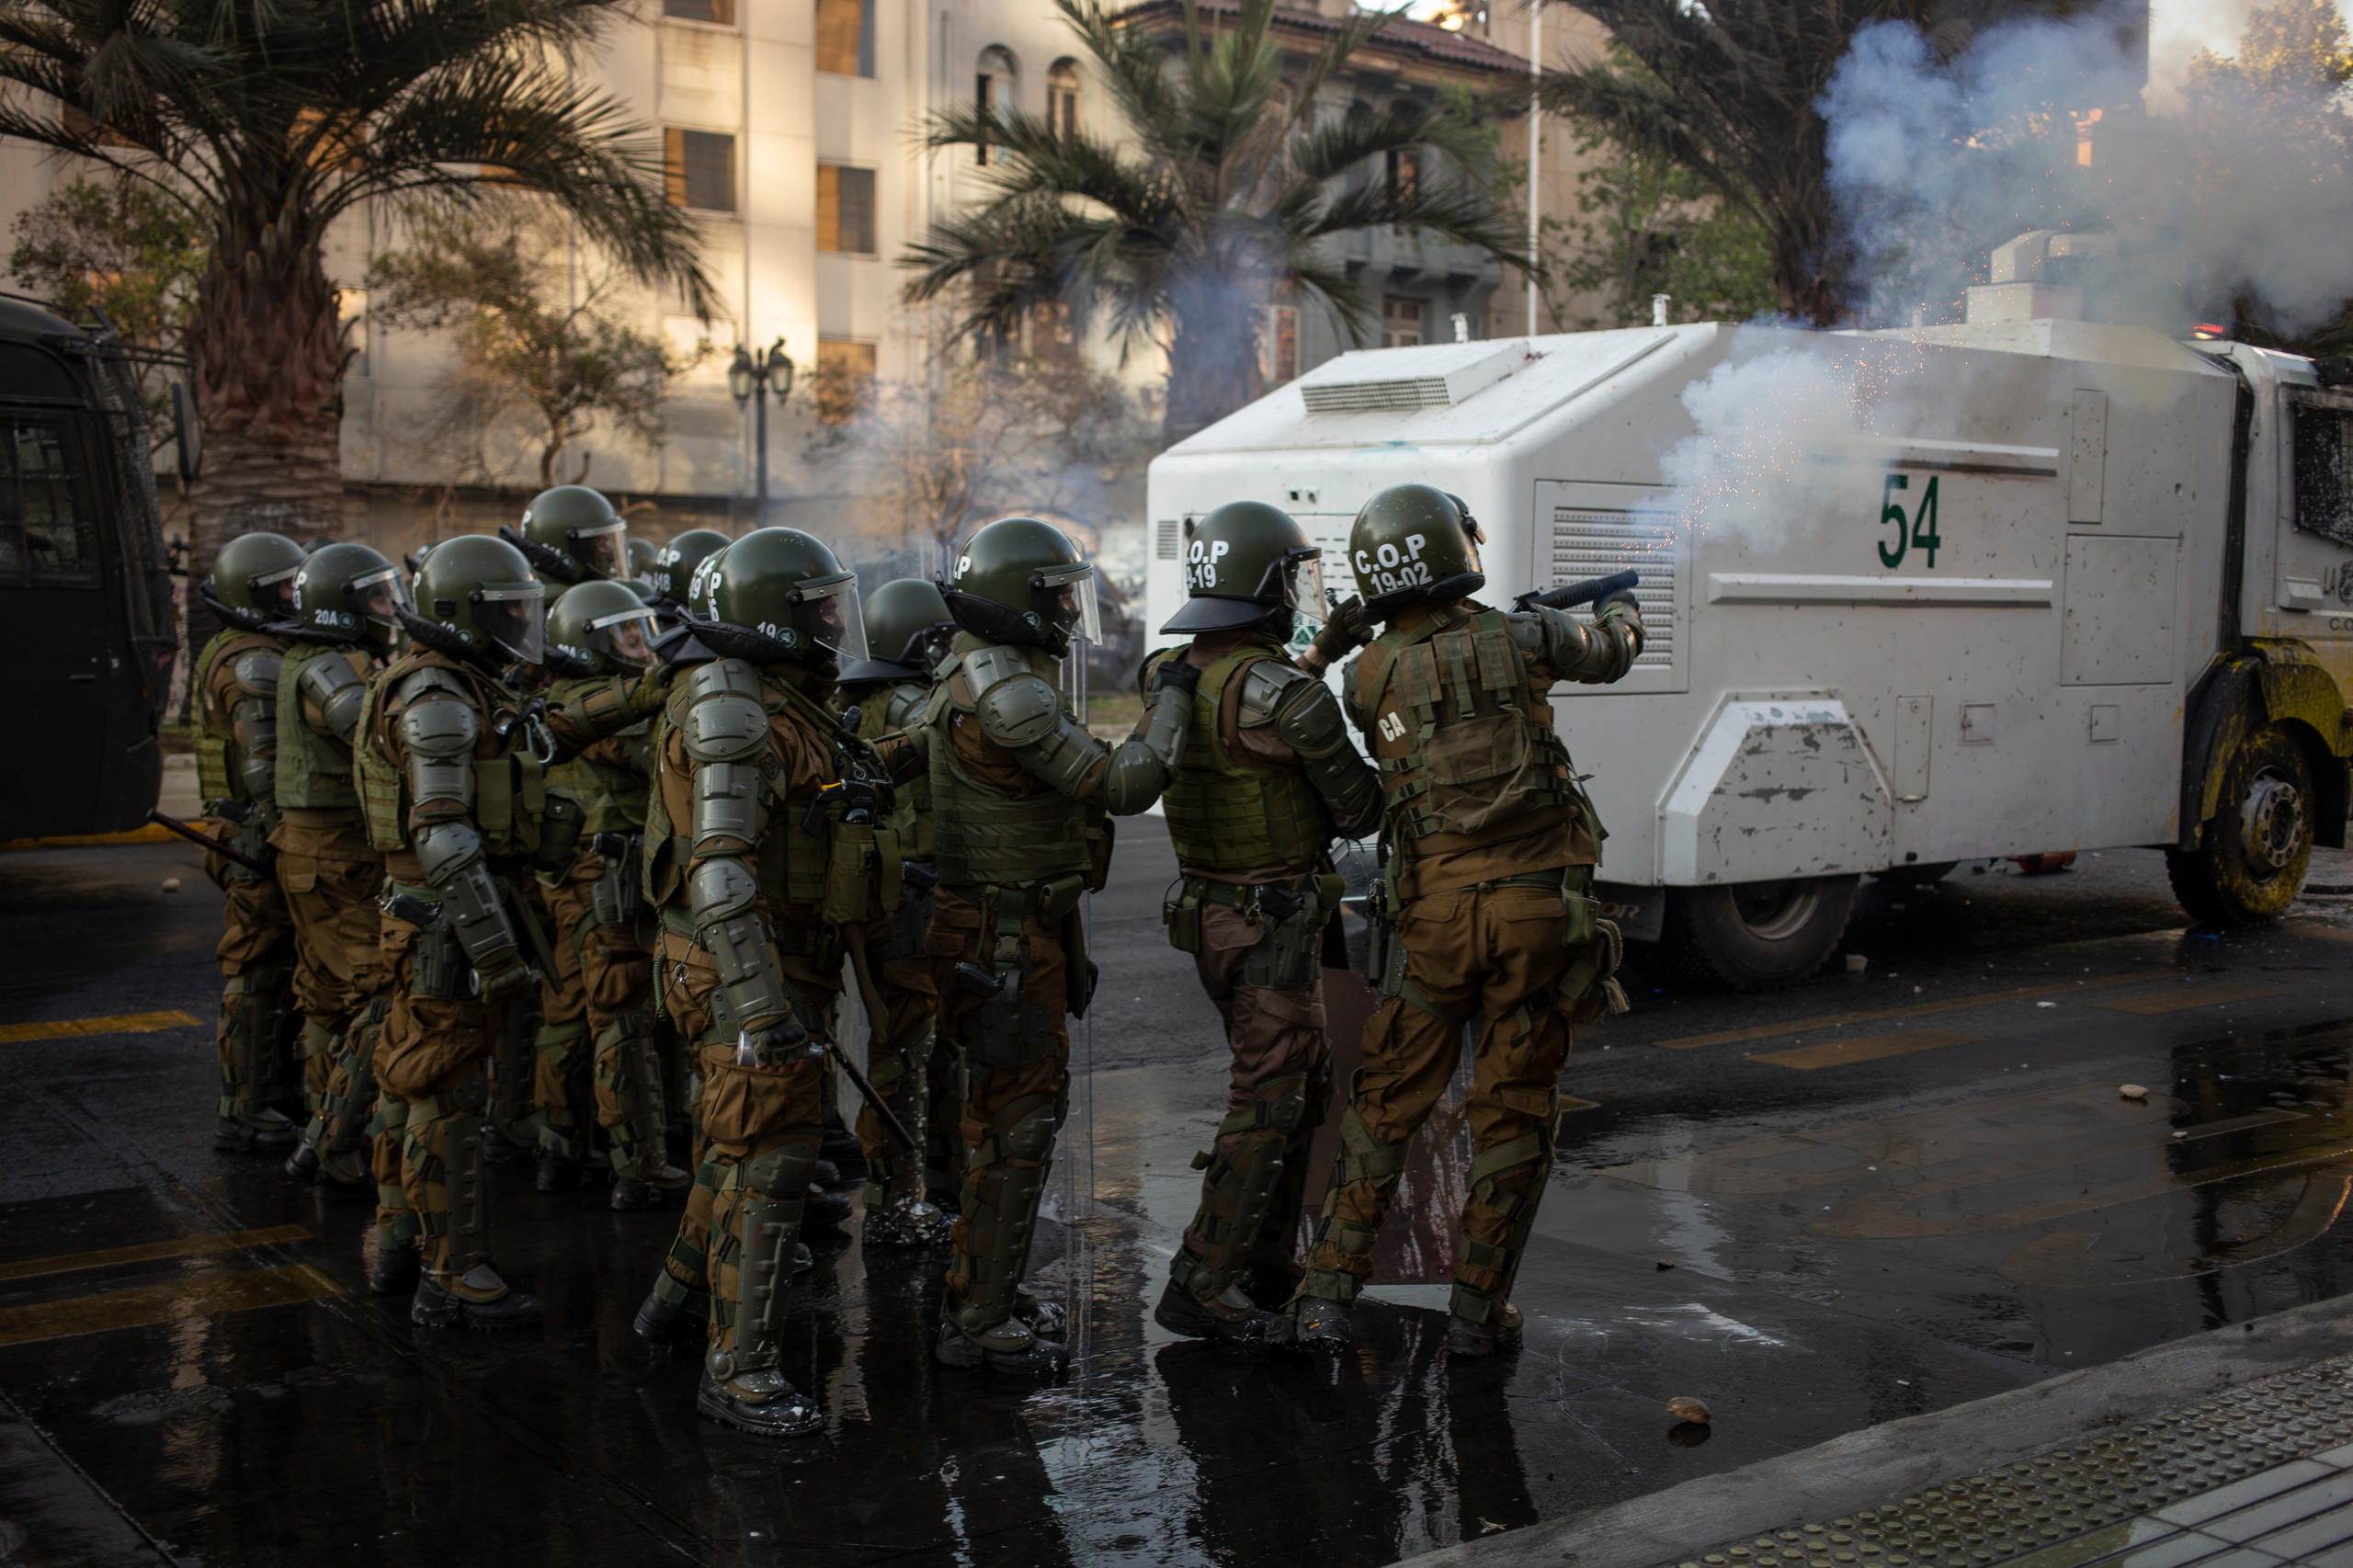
[
  {"x": 1462, "y": 739},
  {"x": 219, "y": 760},
  {"x": 314, "y": 771},
  {"x": 790, "y": 865},
  {"x": 984, "y": 837},
  {"x": 510, "y": 787},
  {"x": 1226, "y": 813},
  {"x": 613, "y": 799},
  {"x": 885, "y": 711}
]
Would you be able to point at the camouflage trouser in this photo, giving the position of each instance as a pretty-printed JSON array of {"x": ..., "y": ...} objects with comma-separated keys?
[
  {"x": 254, "y": 1036},
  {"x": 332, "y": 878},
  {"x": 1254, "y": 1175},
  {"x": 598, "y": 1031},
  {"x": 915, "y": 1069},
  {"x": 1496, "y": 954},
  {"x": 755, "y": 1135},
  {"x": 429, "y": 1072},
  {"x": 1016, "y": 1067}
]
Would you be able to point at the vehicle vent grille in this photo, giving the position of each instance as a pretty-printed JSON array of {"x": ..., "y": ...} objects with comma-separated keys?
[
  {"x": 1164, "y": 539},
  {"x": 1588, "y": 542},
  {"x": 1357, "y": 397}
]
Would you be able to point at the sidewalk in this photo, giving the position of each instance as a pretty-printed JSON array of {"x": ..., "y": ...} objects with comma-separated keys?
[{"x": 2229, "y": 1450}]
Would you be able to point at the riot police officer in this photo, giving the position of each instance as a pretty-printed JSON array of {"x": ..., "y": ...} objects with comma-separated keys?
[
  {"x": 911, "y": 1063},
  {"x": 1269, "y": 778},
  {"x": 758, "y": 852},
  {"x": 674, "y": 565},
  {"x": 1486, "y": 902},
  {"x": 346, "y": 601},
  {"x": 571, "y": 534},
  {"x": 236, "y": 712},
  {"x": 1019, "y": 793}
]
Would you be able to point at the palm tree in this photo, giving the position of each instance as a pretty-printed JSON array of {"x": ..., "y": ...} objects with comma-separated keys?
[
  {"x": 1241, "y": 180},
  {"x": 268, "y": 119}
]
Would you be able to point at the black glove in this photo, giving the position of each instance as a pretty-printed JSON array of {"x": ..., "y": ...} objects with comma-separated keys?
[
  {"x": 1622, "y": 600},
  {"x": 1175, "y": 672},
  {"x": 1345, "y": 632}
]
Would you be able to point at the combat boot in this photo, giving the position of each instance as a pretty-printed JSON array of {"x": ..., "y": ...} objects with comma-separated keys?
[
  {"x": 1469, "y": 1336},
  {"x": 476, "y": 1299},
  {"x": 822, "y": 1213},
  {"x": 1229, "y": 1315},
  {"x": 893, "y": 1222},
  {"x": 262, "y": 1131},
  {"x": 672, "y": 1314},
  {"x": 1318, "y": 1323},
  {"x": 559, "y": 1173},
  {"x": 1012, "y": 1347},
  {"x": 840, "y": 1148},
  {"x": 664, "y": 1186},
  {"x": 395, "y": 1271},
  {"x": 762, "y": 1403}
]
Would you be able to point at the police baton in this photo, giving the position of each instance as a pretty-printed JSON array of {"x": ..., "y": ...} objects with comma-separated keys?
[
  {"x": 870, "y": 997},
  {"x": 1569, "y": 594},
  {"x": 195, "y": 835}
]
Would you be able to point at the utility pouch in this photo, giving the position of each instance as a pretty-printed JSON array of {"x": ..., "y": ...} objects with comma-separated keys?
[
  {"x": 851, "y": 862},
  {"x": 1391, "y": 971},
  {"x": 910, "y": 922},
  {"x": 1288, "y": 952},
  {"x": 253, "y": 842},
  {"x": 437, "y": 967},
  {"x": 618, "y": 894},
  {"x": 1007, "y": 1032},
  {"x": 561, "y": 816},
  {"x": 1182, "y": 916},
  {"x": 1589, "y": 991}
]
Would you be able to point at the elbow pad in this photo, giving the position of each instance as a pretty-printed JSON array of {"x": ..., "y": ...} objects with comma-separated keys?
[
  {"x": 256, "y": 719},
  {"x": 1145, "y": 767},
  {"x": 752, "y": 987},
  {"x": 335, "y": 689},
  {"x": 1311, "y": 725},
  {"x": 450, "y": 853}
]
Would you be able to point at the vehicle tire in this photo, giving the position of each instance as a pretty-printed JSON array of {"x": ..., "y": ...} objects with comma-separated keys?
[
  {"x": 1758, "y": 935},
  {"x": 1919, "y": 875},
  {"x": 2259, "y": 844}
]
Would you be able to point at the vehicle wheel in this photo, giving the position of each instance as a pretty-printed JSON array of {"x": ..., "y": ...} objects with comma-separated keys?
[
  {"x": 2259, "y": 844},
  {"x": 1922, "y": 875},
  {"x": 1758, "y": 935}
]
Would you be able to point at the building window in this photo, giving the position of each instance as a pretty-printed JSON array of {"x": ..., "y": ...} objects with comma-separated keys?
[
  {"x": 723, "y": 12},
  {"x": 1401, "y": 322},
  {"x": 1061, "y": 98},
  {"x": 698, "y": 167},
  {"x": 1404, "y": 175},
  {"x": 845, "y": 209},
  {"x": 1279, "y": 345},
  {"x": 845, "y": 36},
  {"x": 844, "y": 372},
  {"x": 995, "y": 89}
]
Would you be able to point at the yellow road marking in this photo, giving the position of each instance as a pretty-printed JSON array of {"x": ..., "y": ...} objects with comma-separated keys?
[
  {"x": 1866, "y": 1048},
  {"x": 148, "y": 835},
  {"x": 177, "y": 1246},
  {"x": 121, "y": 1023},
  {"x": 203, "y": 1297},
  {"x": 2158, "y": 1002},
  {"x": 1916, "y": 1010}
]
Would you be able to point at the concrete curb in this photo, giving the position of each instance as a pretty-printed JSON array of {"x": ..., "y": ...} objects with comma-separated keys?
[{"x": 1881, "y": 1463}]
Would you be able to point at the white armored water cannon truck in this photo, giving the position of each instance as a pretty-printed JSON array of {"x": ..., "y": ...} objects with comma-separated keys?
[{"x": 2024, "y": 585}]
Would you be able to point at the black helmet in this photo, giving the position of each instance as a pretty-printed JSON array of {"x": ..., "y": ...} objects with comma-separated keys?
[
  {"x": 909, "y": 630},
  {"x": 1247, "y": 562},
  {"x": 778, "y": 596},
  {"x": 675, "y": 563},
  {"x": 349, "y": 593},
  {"x": 1414, "y": 544},
  {"x": 476, "y": 599},
  {"x": 596, "y": 628},
  {"x": 571, "y": 534},
  {"x": 1022, "y": 581},
  {"x": 252, "y": 583}
]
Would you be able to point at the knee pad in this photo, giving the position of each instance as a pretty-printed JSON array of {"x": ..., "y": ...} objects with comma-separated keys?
[
  {"x": 780, "y": 1172},
  {"x": 1024, "y": 1129}
]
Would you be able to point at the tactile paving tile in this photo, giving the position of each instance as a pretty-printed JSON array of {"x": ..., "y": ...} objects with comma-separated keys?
[{"x": 2037, "y": 1504}]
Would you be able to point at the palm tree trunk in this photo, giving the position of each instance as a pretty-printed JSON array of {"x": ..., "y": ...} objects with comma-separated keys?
[{"x": 269, "y": 351}]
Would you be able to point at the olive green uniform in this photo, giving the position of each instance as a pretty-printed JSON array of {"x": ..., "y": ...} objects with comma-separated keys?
[
  {"x": 236, "y": 681},
  {"x": 1269, "y": 778},
  {"x": 1490, "y": 843}
]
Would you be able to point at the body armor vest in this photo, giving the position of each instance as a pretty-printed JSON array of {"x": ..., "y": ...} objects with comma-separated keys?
[
  {"x": 510, "y": 787},
  {"x": 219, "y": 760},
  {"x": 790, "y": 865},
  {"x": 889, "y": 709},
  {"x": 612, "y": 798},
  {"x": 1226, "y": 813},
  {"x": 1462, "y": 738},
  {"x": 986, "y": 838},
  {"x": 314, "y": 771}
]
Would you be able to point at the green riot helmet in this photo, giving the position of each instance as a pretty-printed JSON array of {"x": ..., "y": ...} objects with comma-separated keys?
[
  {"x": 641, "y": 552},
  {"x": 778, "y": 596},
  {"x": 348, "y": 593},
  {"x": 675, "y": 563},
  {"x": 909, "y": 630},
  {"x": 1022, "y": 581},
  {"x": 598, "y": 627},
  {"x": 1412, "y": 545},
  {"x": 252, "y": 583},
  {"x": 572, "y": 534},
  {"x": 1247, "y": 562},
  {"x": 476, "y": 599}
]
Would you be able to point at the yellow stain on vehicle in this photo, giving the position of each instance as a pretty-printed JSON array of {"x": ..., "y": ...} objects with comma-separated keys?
[{"x": 119, "y": 1023}]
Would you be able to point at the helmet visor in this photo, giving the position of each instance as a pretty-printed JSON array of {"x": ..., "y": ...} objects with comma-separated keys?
[
  {"x": 1062, "y": 597},
  {"x": 273, "y": 592},
  {"x": 603, "y": 548},
  {"x": 828, "y": 611},
  {"x": 626, "y": 636},
  {"x": 514, "y": 617},
  {"x": 378, "y": 598},
  {"x": 1302, "y": 583}
]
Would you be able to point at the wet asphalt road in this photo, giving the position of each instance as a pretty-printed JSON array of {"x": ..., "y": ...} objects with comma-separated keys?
[{"x": 1879, "y": 1194}]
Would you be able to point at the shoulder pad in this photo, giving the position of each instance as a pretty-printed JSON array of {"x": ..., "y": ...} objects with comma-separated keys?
[
  {"x": 904, "y": 704},
  {"x": 724, "y": 718},
  {"x": 439, "y": 725},
  {"x": 257, "y": 672},
  {"x": 1019, "y": 710},
  {"x": 983, "y": 668},
  {"x": 323, "y": 676},
  {"x": 427, "y": 679},
  {"x": 1265, "y": 687}
]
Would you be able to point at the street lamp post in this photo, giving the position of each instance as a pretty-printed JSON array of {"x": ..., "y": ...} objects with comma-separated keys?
[{"x": 749, "y": 378}]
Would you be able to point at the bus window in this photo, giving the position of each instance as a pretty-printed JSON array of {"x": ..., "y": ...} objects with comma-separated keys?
[{"x": 45, "y": 526}]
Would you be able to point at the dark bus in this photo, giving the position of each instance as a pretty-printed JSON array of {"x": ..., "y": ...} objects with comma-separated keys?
[{"x": 86, "y": 633}]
